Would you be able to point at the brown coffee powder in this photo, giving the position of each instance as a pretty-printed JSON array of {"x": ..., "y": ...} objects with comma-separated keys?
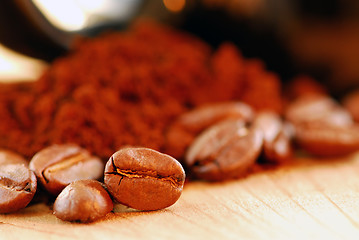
[{"x": 125, "y": 88}]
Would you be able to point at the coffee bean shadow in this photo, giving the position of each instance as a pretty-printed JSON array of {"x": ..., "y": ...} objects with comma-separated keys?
[
  {"x": 122, "y": 209},
  {"x": 124, "y": 213},
  {"x": 305, "y": 159}
]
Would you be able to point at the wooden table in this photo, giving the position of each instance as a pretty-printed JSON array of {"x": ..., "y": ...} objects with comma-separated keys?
[{"x": 311, "y": 199}]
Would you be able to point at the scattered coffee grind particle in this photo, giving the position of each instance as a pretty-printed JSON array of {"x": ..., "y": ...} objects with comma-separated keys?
[{"x": 125, "y": 88}]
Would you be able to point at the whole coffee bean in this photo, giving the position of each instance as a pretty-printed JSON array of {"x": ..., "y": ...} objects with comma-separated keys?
[
  {"x": 304, "y": 85},
  {"x": 144, "y": 179},
  {"x": 317, "y": 109},
  {"x": 183, "y": 131},
  {"x": 58, "y": 165},
  {"x": 351, "y": 103},
  {"x": 224, "y": 151},
  {"x": 327, "y": 141},
  {"x": 277, "y": 147},
  {"x": 17, "y": 187},
  {"x": 83, "y": 201},
  {"x": 9, "y": 157}
]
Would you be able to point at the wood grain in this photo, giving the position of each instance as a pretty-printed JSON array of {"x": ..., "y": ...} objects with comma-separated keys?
[{"x": 311, "y": 199}]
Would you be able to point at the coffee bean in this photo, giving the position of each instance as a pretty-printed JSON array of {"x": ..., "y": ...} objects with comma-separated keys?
[
  {"x": 9, "y": 157},
  {"x": 83, "y": 201},
  {"x": 322, "y": 126},
  {"x": 17, "y": 187},
  {"x": 277, "y": 146},
  {"x": 144, "y": 179},
  {"x": 303, "y": 85},
  {"x": 317, "y": 109},
  {"x": 351, "y": 103},
  {"x": 327, "y": 141},
  {"x": 58, "y": 165},
  {"x": 224, "y": 151},
  {"x": 183, "y": 131}
]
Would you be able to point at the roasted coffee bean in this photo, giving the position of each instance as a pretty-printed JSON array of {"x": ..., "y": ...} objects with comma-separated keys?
[
  {"x": 58, "y": 165},
  {"x": 303, "y": 85},
  {"x": 351, "y": 103},
  {"x": 327, "y": 141},
  {"x": 144, "y": 179},
  {"x": 83, "y": 201},
  {"x": 317, "y": 109},
  {"x": 17, "y": 183},
  {"x": 224, "y": 151},
  {"x": 277, "y": 147},
  {"x": 17, "y": 187},
  {"x": 9, "y": 157},
  {"x": 183, "y": 131}
]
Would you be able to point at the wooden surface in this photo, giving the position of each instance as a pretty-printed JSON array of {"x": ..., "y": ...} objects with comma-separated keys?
[{"x": 309, "y": 200}]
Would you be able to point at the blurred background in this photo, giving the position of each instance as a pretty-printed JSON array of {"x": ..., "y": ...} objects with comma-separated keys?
[{"x": 319, "y": 38}]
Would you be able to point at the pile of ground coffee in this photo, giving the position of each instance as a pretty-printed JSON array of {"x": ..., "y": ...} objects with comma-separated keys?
[{"x": 126, "y": 88}]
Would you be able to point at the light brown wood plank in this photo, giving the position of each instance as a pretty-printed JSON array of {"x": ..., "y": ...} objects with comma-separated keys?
[{"x": 309, "y": 199}]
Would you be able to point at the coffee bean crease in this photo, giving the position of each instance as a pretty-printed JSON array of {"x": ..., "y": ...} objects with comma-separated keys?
[
  {"x": 11, "y": 184},
  {"x": 66, "y": 163},
  {"x": 175, "y": 182}
]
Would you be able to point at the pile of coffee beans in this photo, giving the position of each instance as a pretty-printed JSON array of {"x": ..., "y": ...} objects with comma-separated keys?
[
  {"x": 223, "y": 141},
  {"x": 214, "y": 142},
  {"x": 140, "y": 178}
]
